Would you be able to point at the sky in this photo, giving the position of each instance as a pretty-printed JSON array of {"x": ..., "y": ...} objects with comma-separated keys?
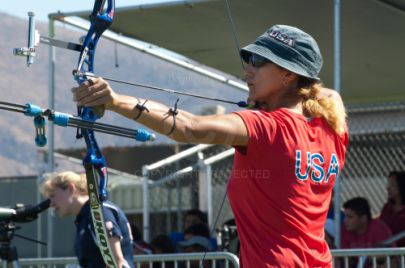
[{"x": 42, "y": 8}]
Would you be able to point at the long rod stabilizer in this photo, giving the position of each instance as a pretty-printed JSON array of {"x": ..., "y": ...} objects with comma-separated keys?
[{"x": 67, "y": 120}]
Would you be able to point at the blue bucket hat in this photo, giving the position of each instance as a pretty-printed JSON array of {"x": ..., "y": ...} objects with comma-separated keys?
[{"x": 288, "y": 47}]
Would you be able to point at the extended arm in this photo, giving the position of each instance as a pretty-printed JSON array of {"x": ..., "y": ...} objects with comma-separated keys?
[{"x": 228, "y": 129}]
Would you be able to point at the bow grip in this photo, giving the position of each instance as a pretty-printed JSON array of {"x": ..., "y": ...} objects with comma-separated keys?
[{"x": 98, "y": 111}]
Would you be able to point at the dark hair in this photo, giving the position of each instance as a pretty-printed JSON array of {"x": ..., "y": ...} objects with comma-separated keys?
[
  {"x": 198, "y": 229},
  {"x": 163, "y": 243},
  {"x": 400, "y": 179},
  {"x": 359, "y": 205},
  {"x": 198, "y": 213}
]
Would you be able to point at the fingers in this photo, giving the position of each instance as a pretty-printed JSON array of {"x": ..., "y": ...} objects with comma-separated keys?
[
  {"x": 96, "y": 99},
  {"x": 86, "y": 92},
  {"x": 92, "y": 92}
]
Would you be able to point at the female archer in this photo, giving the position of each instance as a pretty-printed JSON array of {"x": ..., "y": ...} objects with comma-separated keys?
[{"x": 289, "y": 150}]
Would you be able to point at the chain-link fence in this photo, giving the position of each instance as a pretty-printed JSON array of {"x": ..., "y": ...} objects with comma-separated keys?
[{"x": 377, "y": 146}]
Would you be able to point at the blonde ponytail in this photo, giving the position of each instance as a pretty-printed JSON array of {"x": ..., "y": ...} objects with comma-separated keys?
[{"x": 314, "y": 105}]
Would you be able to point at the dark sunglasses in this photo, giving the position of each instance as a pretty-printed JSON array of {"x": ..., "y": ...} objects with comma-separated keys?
[{"x": 256, "y": 60}]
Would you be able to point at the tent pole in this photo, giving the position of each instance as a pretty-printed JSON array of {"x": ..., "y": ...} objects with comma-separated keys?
[{"x": 336, "y": 197}]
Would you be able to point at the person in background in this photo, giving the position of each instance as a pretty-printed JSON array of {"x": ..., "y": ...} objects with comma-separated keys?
[
  {"x": 393, "y": 212},
  {"x": 197, "y": 229},
  {"x": 200, "y": 229},
  {"x": 359, "y": 229},
  {"x": 192, "y": 216},
  {"x": 69, "y": 197},
  {"x": 196, "y": 239},
  {"x": 162, "y": 244}
]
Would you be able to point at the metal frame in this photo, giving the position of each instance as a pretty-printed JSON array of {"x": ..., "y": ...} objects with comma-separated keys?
[{"x": 228, "y": 257}]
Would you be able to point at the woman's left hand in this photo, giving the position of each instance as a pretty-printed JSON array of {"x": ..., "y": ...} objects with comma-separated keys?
[{"x": 94, "y": 92}]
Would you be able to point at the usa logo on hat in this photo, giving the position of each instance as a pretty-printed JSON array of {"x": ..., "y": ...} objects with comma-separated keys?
[{"x": 281, "y": 37}]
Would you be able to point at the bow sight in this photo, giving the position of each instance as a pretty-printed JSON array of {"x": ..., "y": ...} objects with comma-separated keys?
[{"x": 34, "y": 38}]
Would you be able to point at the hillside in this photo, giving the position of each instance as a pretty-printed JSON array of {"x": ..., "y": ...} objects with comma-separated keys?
[{"x": 20, "y": 84}]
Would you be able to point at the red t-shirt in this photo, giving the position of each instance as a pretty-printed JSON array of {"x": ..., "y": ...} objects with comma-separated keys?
[
  {"x": 377, "y": 231},
  {"x": 280, "y": 188},
  {"x": 395, "y": 220}
]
